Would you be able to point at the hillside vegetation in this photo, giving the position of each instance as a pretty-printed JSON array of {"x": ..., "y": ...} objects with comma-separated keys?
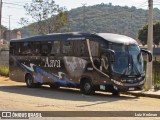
[{"x": 106, "y": 18}]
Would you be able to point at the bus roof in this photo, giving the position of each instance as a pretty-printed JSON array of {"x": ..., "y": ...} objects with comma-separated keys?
[
  {"x": 116, "y": 38},
  {"x": 110, "y": 37}
]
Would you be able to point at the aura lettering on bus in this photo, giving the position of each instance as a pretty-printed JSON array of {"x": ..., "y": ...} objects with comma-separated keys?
[{"x": 52, "y": 63}]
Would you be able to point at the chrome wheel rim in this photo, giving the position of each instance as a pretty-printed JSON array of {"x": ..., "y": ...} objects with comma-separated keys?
[{"x": 87, "y": 86}]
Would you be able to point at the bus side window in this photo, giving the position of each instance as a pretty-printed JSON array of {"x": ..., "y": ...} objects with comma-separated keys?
[
  {"x": 19, "y": 49},
  {"x": 12, "y": 48},
  {"x": 25, "y": 48},
  {"x": 55, "y": 48},
  {"x": 28, "y": 49},
  {"x": 80, "y": 48},
  {"x": 94, "y": 48},
  {"x": 77, "y": 48},
  {"x": 46, "y": 48},
  {"x": 36, "y": 48},
  {"x": 84, "y": 49},
  {"x": 67, "y": 48}
]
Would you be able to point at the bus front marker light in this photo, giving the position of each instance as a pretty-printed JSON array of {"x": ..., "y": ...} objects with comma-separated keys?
[
  {"x": 115, "y": 88},
  {"x": 123, "y": 80},
  {"x": 142, "y": 82},
  {"x": 116, "y": 82},
  {"x": 130, "y": 81},
  {"x": 140, "y": 78}
]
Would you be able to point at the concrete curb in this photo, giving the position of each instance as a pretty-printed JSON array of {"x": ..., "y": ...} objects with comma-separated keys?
[{"x": 143, "y": 94}]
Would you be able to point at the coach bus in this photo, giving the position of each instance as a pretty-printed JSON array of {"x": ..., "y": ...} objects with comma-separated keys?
[{"x": 89, "y": 61}]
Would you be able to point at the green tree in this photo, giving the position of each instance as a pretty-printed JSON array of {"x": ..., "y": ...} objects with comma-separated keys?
[
  {"x": 156, "y": 33},
  {"x": 143, "y": 33},
  {"x": 47, "y": 15},
  {"x": 3, "y": 29}
]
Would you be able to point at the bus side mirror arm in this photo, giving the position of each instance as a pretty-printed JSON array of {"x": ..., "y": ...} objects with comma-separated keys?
[{"x": 148, "y": 53}]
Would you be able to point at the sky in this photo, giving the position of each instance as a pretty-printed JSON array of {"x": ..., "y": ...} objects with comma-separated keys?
[{"x": 14, "y": 8}]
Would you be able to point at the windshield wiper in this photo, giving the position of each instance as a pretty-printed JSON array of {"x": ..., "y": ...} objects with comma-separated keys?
[
  {"x": 131, "y": 67},
  {"x": 134, "y": 66},
  {"x": 128, "y": 70}
]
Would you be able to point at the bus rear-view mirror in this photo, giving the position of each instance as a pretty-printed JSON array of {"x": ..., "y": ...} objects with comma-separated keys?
[{"x": 148, "y": 53}]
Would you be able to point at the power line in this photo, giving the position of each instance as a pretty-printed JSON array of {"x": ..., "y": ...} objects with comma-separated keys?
[
  {"x": 13, "y": 4},
  {"x": 8, "y": 22},
  {"x": 142, "y": 4},
  {"x": 8, "y": 18},
  {"x": 12, "y": 7},
  {"x": 156, "y": 1},
  {"x": 20, "y": 1},
  {"x": 23, "y": 2},
  {"x": 4, "y": 21},
  {"x": 105, "y": 15},
  {"x": 157, "y": 4}
]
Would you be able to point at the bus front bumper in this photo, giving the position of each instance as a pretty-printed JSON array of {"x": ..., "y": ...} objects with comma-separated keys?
[{"x": 122, "y": 87}]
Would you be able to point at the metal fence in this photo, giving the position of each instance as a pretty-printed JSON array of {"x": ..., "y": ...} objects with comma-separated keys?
[
  {"x": 156, "y": 74},
  {"x": 4, "y": 57}
]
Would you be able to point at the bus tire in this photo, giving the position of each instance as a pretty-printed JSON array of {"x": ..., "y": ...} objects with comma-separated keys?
[
  {"x": 115, "y": 93},
  {"x": 86, "y": 87},
  {"x": 54, "y": 86},
  {"x": 29, "y": 81},
  {"x": 38, "y": 85}
]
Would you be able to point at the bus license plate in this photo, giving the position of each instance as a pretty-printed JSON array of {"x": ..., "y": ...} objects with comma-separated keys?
[{"x": 131, "y": 88}]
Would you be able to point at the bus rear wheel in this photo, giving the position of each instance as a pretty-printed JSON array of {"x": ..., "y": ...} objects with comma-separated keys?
[
  {"x": 115, "y": 93},
  {"x": 29, "y": 81},
  {"x": 54, "y": 86},
  {"x": 87, "y": 87}
]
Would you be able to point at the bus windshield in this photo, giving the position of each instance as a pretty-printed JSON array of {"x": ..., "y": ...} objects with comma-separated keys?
[{"x": 128, "y": 60}]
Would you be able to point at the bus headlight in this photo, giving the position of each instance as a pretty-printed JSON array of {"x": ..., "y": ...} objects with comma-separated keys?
[
  {"x": 131, "y": 81},
  {"x": 117, "y": 82},
  {"x": 124, "y": 80},
  {"x": 142, "y": 82}
]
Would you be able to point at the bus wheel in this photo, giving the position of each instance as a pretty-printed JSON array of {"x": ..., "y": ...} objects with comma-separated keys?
[
  {"x": 87, "y": 87},
  {"x": 38, "y": 85},
  {"x": 29, "y": 81},
  {"x": 54, "y": 86},
  {"x": 116, "y": 93}
]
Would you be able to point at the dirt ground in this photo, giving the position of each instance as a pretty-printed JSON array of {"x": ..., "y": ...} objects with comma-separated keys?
[{"x": 15, "y": 96}]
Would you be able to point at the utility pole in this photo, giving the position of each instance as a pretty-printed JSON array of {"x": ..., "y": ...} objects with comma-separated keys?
[
  {"x": 0, "y": 19},
  {"x": 150, "y": 44},
  {"x": 9, "y": 27}
]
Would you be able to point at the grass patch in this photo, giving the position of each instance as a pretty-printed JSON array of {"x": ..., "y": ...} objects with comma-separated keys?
[
  {"x": 4, "y": 71},
  {"x": 156, "y": 72},
  {"x": 5, "y": 46}
]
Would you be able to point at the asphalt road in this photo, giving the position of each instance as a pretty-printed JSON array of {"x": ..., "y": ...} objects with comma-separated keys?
[{"x": 16, "y": 96}]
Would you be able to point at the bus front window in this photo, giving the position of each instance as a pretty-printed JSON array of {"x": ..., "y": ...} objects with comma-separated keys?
[
  {"x": 128, "y": 60},
  {"x": 121, "y": 58},
  {"x": 136, "y": 58}
]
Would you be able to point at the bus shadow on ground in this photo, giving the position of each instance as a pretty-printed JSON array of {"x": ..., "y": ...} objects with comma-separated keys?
[{"x": 63, "y": 93}]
